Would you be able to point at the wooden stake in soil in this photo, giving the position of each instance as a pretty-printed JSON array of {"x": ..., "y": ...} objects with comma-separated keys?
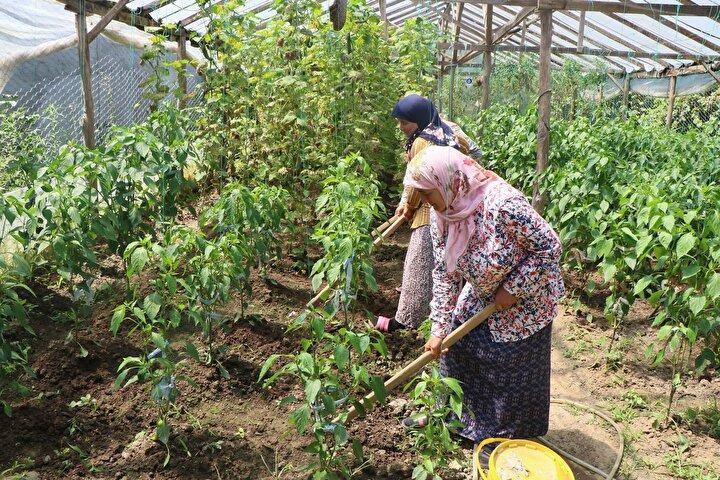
[
  {"x": 88, "y": 124},
  {"x": 413, "y": 368}
]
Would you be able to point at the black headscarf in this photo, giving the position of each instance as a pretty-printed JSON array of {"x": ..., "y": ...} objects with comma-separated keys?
[{"x": 417, "y": 109}]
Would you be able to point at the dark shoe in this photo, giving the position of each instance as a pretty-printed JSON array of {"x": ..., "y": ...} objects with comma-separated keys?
[
  {"x": 484, "y": 455},
  {"x": 418, "y": 420}
]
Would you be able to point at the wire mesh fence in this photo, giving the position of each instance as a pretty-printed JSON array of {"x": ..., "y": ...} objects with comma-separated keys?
[
  {"x": 575, "y": 93},
  {"x": 55, "y": 105}
]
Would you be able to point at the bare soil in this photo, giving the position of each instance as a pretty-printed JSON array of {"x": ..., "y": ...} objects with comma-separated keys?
[{"x": 234, "y": 429}]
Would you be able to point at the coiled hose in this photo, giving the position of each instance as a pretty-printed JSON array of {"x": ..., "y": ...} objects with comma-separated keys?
[{"x": 606, "y": 475}]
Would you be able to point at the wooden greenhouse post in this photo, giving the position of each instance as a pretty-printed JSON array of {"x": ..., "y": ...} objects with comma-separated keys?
[
  {"x": 487, "y": 56},
  {"x": 88, "y": 123},
  {"x": 84, "y": 40},
  {"x": 581, "y": 32},
  {"x": 544, "y": 94},
  {"x": 182, "y": 73},
  {"x": 383, "y": 17},
  {"x": 671, "y": 101},
  {"x": 625, "y": 95},
  {"x": 451, "y": 99}
]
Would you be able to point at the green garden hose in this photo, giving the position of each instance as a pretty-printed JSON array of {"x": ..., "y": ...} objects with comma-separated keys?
[{"x": 606, "y": 475}]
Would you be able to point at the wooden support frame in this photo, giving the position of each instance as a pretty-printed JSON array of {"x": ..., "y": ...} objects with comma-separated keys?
[
  {"x": 678, "y": 27},
  {"x": 487, "y": 56},
  {"x": 585, "y": 51},
  {"x": 104, "y": 7},
  {"x": 458, "y": 27},
  {"x": 654, "y": 10},
  {"x": 610, "y": 35},
  {"x": 671, "y": 101},
  {"x": 88, "y": 122},
  {"x": 106, "y": 19},
  {"x": 558, "y": 24},
  {"x": 651, "y": 35},
  {"x": 539, "y": 199},
  {"x": 501, "y": 33}
]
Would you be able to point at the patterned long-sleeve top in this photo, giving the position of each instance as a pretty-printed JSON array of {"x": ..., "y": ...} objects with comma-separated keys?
[{"x": 512, "y": 246}]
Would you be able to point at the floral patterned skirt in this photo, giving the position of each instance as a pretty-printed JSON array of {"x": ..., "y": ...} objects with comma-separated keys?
[
  {"x": 506, "y": 384},
  {"x": 416, "y": 291}
]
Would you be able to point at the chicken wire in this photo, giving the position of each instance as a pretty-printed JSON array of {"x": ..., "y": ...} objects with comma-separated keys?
[
  {"x": 56, "y": 104},
  {"x": 697, "y": 98}
]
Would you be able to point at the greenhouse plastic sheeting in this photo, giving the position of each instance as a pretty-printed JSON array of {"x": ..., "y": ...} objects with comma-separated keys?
[
  {"x": 693, "y": 84},
  {"x": 35, "y": 30}
]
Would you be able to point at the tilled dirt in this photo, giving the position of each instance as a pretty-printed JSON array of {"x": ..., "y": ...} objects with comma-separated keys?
[{"x": 234, "y": 429}]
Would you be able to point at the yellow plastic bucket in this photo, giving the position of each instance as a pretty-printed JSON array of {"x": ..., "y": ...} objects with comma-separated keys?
[{"x": 516, "y": 459}]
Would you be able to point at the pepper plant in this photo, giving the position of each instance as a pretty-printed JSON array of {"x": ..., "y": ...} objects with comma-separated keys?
[
  {"x": 438, "y": 400},
  {"x": 346, "y": 208},
  {"x": 13, "y": 321},
  {"x": 332, "y": 370}
]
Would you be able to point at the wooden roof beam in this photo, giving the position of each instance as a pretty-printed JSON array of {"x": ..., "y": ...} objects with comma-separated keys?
[
  {"x": 607, "y": 33},
  {"x": 651, "y": 9},
  {"x": 559, "y": 35},
  {"x": 103, "y": 8},
  {"x": 563, "y": 32},
  {"x": 588, "y": 51},
  {"x": 501, "y": 32},
  {"x": 657, "y": 38},
  {"x": 105, "y": 20}
]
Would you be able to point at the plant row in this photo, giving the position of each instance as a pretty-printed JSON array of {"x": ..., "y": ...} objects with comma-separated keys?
[{"x": 638, "y": 204}]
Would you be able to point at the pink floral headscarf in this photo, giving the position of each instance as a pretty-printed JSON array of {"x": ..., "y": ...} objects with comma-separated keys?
[{"x": 462, "y": 184}]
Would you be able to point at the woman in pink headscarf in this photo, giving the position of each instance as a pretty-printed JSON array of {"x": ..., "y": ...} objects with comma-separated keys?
[{"x": 485, "y": 232}]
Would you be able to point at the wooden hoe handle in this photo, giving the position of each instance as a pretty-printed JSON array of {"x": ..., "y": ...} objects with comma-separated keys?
[
  {"x": 413, "y": 368},
  {"x": 382, "y": 227},
  {"x": 390, "y": 230},
  {"x": 387, "y": 229}
]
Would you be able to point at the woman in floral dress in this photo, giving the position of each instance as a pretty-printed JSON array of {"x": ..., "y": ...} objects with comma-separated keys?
[
  {"x": 485, "y": 232},
  {"x": 420, "y": 122}
]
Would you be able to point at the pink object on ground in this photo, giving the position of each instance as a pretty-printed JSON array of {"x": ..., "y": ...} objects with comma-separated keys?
[
  {"x": 398, "y": 289},
  {"x": 383, "y": 323}
]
